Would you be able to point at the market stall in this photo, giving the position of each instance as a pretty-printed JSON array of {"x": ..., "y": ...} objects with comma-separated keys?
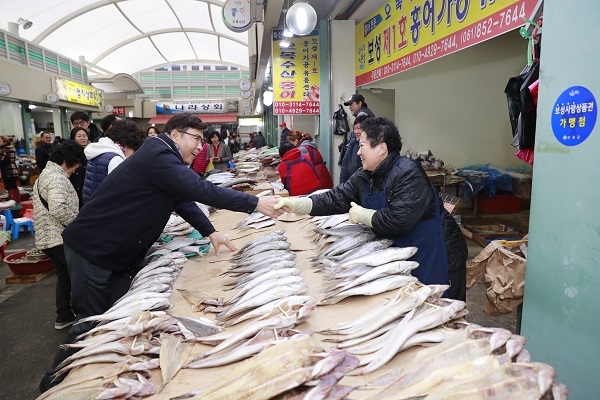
[{"x": 207, "y": 275}]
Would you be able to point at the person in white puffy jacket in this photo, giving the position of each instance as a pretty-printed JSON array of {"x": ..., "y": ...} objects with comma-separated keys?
[
  {"x": 120, "y": 141},
  {"x": 55, "y": 205}
]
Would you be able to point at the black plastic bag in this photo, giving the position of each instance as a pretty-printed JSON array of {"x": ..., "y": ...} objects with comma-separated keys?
[
  {"x": 522, "y": 110},
  {"x": 340, "y": 120}
]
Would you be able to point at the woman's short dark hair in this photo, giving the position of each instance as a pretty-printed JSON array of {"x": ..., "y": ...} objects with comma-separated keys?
[
  {"x": 77, "y": 129},
  {"x": 68, "y": 151},
  {"x": 183, "y": 121},
  {"x": 125, "y": 133},
  {"x": 382, "y": 130},
  {"x": 210, "y": 134}
]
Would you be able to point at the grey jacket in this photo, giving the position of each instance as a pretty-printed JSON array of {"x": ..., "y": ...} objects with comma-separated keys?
[{"x": 63, "y": 205}]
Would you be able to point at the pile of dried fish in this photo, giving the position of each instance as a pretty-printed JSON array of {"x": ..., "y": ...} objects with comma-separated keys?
[
  {"x": 471, "y": 363},
  {"x": 394, "y": 326},
  {"x": 187, "y": 246},
  {"x": 283, "y": 369},
  {"x": 354, "y": 262},
  {"x": 116, "y": 359},
  {"x": 131, "y": 335},
  {"x": 272, "y": 276},
  {"x": 220, "y": 177},
  {"x": 256, "y": 220},
  {"x": 177, "y": 226}
]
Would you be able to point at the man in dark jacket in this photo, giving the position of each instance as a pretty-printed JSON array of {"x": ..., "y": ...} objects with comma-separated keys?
[
  {"x": 284, "y": 132},
  {"x": 259, "y": 140},
  {"x": 351, "y": 161},
  {"x": 80, "y": 118},
  {"x": 108, "y": 240},
  {"x": 358, "y": 106},
  {"x": 42, "y": 151}
]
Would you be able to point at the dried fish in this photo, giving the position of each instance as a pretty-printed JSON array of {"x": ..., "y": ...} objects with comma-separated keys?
[{"x": 173, "y": 354}]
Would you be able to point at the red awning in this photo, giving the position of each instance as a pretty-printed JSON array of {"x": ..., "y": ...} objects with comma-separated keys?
[{"x": 206, "y": 118}]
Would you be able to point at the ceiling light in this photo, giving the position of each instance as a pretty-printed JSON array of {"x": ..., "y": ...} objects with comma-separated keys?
[
  {"x": 32, "y": 106},
  {"x": 267, "y": 98},
  {"x": 301, "y": 18},
  {"x": 285, "y": 43},
  {"x": 287, "y": 33},
  {"x": 25, "y": 22}
]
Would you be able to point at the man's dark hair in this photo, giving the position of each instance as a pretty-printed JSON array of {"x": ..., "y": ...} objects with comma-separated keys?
[
  {"x": 68, "y": 151},
  {"x": 80, "y": 115},
  {"x": 382, "y": 130},
  {"x": 107, "y": 122},
  {"x": 285, "y": 147},
  {"x": 360, "y": 119},
  {"x": 125, "y": 133},
  {"x": 183, "y": 121}
]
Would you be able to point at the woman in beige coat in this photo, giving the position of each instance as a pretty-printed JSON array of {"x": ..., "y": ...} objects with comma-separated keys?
[{"x": 55, "y": 205}]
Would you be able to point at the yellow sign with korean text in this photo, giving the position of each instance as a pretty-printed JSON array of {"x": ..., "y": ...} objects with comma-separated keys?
[
  {"x": 296, "y": 75},
  {"x": 78, "y": 93},
  {"x": 403, "y": 34}
]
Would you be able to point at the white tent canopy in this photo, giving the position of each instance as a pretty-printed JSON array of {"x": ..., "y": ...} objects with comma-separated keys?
[{"x": 128, "y": 36}]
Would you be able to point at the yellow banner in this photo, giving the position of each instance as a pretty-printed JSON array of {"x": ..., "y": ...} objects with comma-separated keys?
[
  {"x": 403, "y": 34},
  {"x": 78, "y": 93},
  {"x": 296, "y": 75}
]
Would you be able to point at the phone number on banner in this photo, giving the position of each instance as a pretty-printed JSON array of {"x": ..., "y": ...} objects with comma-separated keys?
[
  {"x": 482, "y": 30},
  {"x": 296, "y": 107}
]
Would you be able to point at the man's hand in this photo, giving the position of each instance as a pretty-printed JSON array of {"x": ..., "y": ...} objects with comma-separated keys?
[
  {"x": 297, "y": 205},
  {"x": 217, "y": 239},
  {"x": 361, "y": 215},
  {"x": 266, "y": 206}
]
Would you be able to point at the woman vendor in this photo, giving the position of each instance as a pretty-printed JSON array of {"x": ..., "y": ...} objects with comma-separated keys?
[
  {"x": 393, "y": 196},
  {"x": 218, "y": 152}
]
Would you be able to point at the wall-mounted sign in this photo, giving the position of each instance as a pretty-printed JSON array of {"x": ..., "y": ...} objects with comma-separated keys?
[
  {"x": 574, "y": 115},
  {"x": 198, "y": 107},
  {"x": 236, "y": 15},
  {"x": 296, "y": 75},
  {"x": 78, "y": 93},
  {"x": 404, "y": 34},
  {"x": 5, "y": 88},
  {"x": 118, "y": 111}
]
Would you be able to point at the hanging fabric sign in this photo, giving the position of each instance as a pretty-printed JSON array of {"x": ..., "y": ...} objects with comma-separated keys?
[
  {"x": 404, "y": 34},
  {"x": 296, "y": 75},
  {"x": 574, "y": 116}
]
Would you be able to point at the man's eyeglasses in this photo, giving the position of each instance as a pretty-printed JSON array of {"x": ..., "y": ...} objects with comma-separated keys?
[
  {"x": 198, "y": 138},
  {"x": 79, "y": 123}
]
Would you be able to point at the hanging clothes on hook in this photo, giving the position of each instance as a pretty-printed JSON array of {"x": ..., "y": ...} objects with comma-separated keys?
[{"x": 522, "y": 103}]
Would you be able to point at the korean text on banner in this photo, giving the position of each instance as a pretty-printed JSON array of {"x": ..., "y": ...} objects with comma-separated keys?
[
  {"x": 78, "y": 93},
  {"x": 296, "y": 75},
  {"x": 404, "y": 34}
]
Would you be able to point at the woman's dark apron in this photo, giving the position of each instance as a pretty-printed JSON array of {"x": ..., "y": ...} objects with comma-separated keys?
[{"x": 427, "y": 236}]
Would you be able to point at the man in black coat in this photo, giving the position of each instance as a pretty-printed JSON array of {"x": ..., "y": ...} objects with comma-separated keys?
[
  {"x": 284, "y": 132},
  {"x": 107, "y": 242},
  {"x": 42, "y": 151}
]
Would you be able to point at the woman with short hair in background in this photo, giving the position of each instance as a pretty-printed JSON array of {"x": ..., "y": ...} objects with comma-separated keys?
[{"x": 55, "y": 205}]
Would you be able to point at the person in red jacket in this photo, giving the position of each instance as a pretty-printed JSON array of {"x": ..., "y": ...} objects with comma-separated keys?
[
  {"x": 201, "y": 160},
  {"x": 305, "y": 143},
  {"x": 297, "y": 171}
]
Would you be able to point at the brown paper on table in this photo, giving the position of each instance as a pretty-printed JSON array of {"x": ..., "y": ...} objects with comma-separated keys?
[{"x": 503, "y": 268}]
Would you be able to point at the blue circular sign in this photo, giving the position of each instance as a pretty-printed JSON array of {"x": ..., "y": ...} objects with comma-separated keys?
[{"x": 574, "y": 115}]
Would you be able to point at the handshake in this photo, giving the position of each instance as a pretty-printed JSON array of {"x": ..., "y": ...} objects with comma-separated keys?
[{"x": 303, "y": 206}]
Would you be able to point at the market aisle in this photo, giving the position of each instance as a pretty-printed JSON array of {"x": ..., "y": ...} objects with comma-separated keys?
[{"x": 28, "y": 340}]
